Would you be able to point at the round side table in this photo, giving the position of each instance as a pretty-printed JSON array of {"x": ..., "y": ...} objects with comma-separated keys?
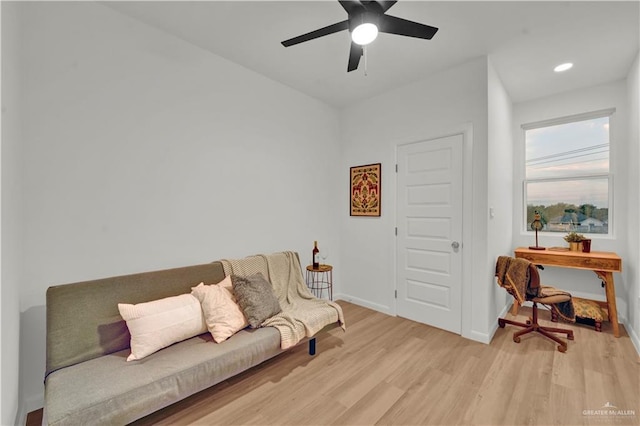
[{"x": 320, "y": 279}]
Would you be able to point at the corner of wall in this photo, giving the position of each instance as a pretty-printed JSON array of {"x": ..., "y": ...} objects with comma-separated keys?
[
  {"x": 11, "y": 215},
  {"x": 633, "y": 242},
  {"x": 500, "y": 187}
]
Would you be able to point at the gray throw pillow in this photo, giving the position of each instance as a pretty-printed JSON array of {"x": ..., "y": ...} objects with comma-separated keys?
[{"x": 256, "y": 298}]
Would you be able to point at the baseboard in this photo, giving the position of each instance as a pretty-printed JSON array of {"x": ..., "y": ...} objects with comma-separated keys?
[
  {"x": 633, "y": 336},
  {"x": 488, "y": 337},
  {"x": 504, "y": 311},
  {"x": 494, "y": 325},
  {"x": 473, "y": 335},
  {"x": 482, "y": 337},
  {"x": 364, "y": 303}
]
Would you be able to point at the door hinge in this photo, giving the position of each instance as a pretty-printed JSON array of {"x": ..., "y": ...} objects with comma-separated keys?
[
  {"x": 396, "y": 294},
  {"x": 396, "y": 168},
  {"x": 396, "y": 231}
]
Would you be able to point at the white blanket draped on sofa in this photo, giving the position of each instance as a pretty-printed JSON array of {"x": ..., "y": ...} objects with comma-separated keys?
[{"x": 303, "y": 315}]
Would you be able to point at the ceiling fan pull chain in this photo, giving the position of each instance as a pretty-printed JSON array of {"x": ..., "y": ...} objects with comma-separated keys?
[{"x": 364, "y": 53}]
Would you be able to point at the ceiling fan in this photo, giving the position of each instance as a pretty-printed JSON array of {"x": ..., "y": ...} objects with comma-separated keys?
[{"x": 366, "y": 19}]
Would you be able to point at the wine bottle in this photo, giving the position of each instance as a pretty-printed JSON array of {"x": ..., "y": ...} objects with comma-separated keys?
[{"x": 316, "y": 255}]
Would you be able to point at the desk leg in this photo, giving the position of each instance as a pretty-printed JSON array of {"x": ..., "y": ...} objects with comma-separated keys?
[{"x": 610, "y": 291}]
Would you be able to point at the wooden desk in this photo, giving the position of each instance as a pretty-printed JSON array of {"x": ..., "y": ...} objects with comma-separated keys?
[{"x": 603, "y": 263}]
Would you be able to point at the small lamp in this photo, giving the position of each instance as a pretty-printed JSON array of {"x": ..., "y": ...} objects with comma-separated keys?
[{"x": 536, "y": 225}]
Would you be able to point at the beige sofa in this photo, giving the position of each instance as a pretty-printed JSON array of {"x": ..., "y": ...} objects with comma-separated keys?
[{"x": 89, "y": 381}]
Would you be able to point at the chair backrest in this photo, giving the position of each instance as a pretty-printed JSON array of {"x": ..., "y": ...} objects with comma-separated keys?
[
  {"x": 523, "y": 281},
  {"x": 534, "y": 277}
]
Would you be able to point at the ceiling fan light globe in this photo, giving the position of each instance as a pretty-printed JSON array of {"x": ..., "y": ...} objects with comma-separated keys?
[{"x": 364, "y": 34}]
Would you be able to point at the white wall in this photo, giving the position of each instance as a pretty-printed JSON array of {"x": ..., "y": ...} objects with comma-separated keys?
[
  {"x": 500, "y": 186},
  {"x": 371, "y": 130},
  {"x": 11, "y": 223},
  {"x": 612, "y": 95},
  {"x": 632, "y": 262},
  {"x": 145, "y": 152}
]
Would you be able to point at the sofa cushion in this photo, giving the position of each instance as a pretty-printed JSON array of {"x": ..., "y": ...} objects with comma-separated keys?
[
  {"x": 157, "y": 324},
  {"x": 221, "y": 312},
  {"x": 109, "y": 390},
  {"x": 83, "y": 321},
  {"x": 256, "y": 298}
]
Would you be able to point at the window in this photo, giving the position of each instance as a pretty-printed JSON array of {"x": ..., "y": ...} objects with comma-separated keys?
[{"x": 567, "y": 174}]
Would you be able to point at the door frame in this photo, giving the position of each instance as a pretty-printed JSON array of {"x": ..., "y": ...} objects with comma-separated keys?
[{"x": 466, "y": 130}]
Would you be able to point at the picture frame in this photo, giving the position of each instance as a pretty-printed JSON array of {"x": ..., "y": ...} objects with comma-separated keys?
[{"x": 365, "y": 190}]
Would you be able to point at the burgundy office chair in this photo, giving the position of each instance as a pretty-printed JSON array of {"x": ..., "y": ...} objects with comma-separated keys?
[{"x": 521, "y": 279}]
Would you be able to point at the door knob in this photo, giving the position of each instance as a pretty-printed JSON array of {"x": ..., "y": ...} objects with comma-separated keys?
[{"x": 455, "y": 245}]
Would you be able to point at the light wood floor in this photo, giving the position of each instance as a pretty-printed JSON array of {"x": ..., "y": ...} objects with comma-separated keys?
[{"x": 392, "y": 371}]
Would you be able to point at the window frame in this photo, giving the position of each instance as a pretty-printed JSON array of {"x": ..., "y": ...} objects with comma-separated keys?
[{"x": 609, "y": 112}]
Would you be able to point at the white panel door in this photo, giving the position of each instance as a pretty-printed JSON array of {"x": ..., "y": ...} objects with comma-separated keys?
[{"x": 429, "y": 240}]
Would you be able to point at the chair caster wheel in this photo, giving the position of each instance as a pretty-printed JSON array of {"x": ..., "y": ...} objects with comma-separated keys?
[
  {"x": 516, "y": 339},
  {"x": 501, "y": 323},
  {"x": 528, "y": 322},
  {"x": 562, "y": 348},
  {"x": 570, "y": 336}
]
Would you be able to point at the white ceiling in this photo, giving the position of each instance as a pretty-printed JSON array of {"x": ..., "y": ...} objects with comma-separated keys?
[{"x": 524, "y": 41}]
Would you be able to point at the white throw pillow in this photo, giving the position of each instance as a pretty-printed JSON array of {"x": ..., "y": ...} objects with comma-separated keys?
[
  {"x": 222, "y": 314},
  {"x": 160, "y": 323}
]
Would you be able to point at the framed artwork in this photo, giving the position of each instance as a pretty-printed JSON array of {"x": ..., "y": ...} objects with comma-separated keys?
[{"x": 365, "y": 190}]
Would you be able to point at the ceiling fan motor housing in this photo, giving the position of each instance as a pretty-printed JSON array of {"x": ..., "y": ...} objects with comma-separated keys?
[{"x": 370, "y": 14}]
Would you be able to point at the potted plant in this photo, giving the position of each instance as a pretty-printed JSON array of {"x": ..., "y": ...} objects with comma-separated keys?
[{"x": 574, "y": 239}]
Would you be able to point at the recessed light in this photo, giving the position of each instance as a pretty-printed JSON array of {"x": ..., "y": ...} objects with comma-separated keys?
[{"x": 563, "y": 67}]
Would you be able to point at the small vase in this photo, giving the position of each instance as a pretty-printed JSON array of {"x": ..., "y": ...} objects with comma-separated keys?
[
  {"x": 574, "y": 246},
  {"x": 586, "y": 246}
]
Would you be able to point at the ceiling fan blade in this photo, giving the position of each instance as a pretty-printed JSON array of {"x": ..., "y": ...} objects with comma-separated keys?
[
  {"x": 394, "y": 25},
  {"x": 351, "y": 6},
  {"x": 355, "y": 53},
  {"x": 356, "y": 6},
  {"x": 344, "y": 25},
  {"x": 386, "y": 5}
]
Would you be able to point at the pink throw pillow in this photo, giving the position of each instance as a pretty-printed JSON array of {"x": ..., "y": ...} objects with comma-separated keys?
[{"x": 222, "y": 314}]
